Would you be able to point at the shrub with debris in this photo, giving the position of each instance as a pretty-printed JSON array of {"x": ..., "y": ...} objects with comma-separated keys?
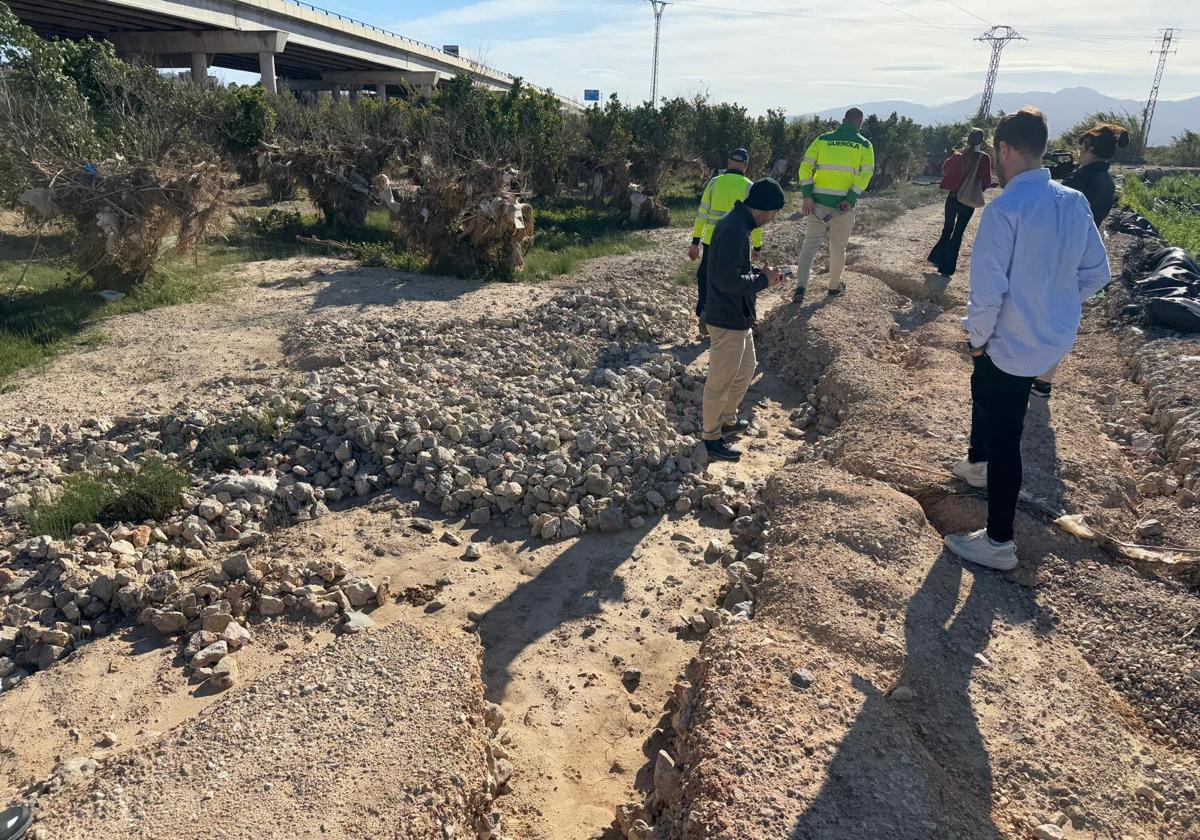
[
  {"x": 124, "y": 214},
  {"x": 469, "y": 221},
  {"x": 125, "y": 154},
  {"x": 337, "y": 177}
]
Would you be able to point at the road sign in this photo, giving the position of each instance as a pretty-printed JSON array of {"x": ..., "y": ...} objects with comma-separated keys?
[{"x": 591, "y": 96}]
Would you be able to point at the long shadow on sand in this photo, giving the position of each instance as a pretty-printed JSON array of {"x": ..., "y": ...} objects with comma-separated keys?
[
  {"x": 359, "y": 288},
  {"x": 920, "y": 770},
  {"x": 575, "y": 585}
]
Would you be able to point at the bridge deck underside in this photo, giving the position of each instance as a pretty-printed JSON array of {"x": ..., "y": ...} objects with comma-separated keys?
[{"x": 81, "y": 18}]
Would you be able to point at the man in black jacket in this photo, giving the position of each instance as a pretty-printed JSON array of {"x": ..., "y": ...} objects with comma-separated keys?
[{"x": 733, "y": 284}]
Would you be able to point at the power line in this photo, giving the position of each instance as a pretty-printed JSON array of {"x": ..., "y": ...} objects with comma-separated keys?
[
  {"x": 967, "y": 11},
  {"x": 999, "y": 37},
  {"x": 914, "y": 17}
]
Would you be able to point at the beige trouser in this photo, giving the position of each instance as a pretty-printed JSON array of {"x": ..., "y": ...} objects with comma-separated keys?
[
  {"x": 838, "y": 231},
  {"x": 731, "y": 362}
]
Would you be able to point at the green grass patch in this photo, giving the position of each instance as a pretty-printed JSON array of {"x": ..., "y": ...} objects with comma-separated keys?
[
  {"x": 543, "y": 262},
  {"x": 152, "y": 492},
  {"x": 878, "y": 209},
  {"x": 685, "y": 275},
  {"x": 683, "y": 200},
  {"x": 221, "y": 446},
  {"x": 1171, "y": 204}
]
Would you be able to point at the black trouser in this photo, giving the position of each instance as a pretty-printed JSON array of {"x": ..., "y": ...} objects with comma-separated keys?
[
  {"x": 998, "y": 404},
  {"x": 702, "y": 282},
  {"x": 945, "y": 253}
]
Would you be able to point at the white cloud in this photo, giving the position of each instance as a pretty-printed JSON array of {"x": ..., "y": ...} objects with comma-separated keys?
[{"x": 771, "y": 56}]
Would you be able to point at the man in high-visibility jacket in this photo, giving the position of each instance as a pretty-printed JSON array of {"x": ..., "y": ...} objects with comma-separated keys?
[
  {"x": 720, "y": 194},
  {"x": 837, "y": 169}
]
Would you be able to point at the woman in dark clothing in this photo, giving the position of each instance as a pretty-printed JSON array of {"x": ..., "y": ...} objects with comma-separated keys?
[
  {"x": 962, "y": 199},
  {"x": 1097, "y": 148}
]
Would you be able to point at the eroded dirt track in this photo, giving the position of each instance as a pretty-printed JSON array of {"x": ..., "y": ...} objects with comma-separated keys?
[
  {"x": 884, "y": 689},
  {"x": 881, "y": 689}
]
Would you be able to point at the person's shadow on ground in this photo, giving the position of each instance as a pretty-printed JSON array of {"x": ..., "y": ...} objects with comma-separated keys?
[
  {"x": 1039, "y": 452},
  {"x": 918, "y": 769},
  {"x": 576, "y": 584}
]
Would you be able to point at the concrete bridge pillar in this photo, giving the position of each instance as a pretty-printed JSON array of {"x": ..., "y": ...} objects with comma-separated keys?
[
  {"x": 336, "y": 92},
  {"x": 355, "y": 92},
  {"x": 266, "y": 66},
  {"x": 199, "y": 68},
  {"x": 382, "y": 92}
]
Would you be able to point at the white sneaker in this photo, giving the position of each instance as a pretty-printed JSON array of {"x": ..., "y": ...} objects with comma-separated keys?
[
  {"x": 978, "y": 547},
  {"x": 973, "y": 474}
]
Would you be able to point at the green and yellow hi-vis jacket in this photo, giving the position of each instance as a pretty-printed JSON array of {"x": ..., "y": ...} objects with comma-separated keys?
[
  {"x": 837, "y": 167},
  {"x": 720, "y": 194}
]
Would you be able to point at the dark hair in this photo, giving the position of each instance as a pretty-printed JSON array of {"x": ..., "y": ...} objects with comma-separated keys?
[
  {"x": 854, "y": 115},
  {"x": 1104, "y": 139},
  {"x": 1025, "y": 131},
  {"x": 975, "y": 137}
]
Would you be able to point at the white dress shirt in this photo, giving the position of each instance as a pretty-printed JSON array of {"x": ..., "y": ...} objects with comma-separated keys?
[{"x": 1037, "y": 257}]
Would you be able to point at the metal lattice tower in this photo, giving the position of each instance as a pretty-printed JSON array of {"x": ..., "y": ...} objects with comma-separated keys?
[
  {"x": 999, "y": 37},
  {"x": 660, "y": 6},
  {"x": 1148, "y": 115}
]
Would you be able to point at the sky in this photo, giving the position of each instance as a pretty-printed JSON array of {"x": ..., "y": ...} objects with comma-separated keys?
[{"x": 807, "y": 55}]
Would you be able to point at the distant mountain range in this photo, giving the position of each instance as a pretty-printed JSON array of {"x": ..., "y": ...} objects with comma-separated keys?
[{"x": 1063, "y": 110}]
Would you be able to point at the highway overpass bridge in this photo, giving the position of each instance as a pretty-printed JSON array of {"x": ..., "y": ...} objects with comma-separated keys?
[{"x": 293, "y": 44}]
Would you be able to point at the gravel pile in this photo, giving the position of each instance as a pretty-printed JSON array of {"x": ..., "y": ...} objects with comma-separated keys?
[
  {"x": 566, "y": 419},
  {"x": 385, "y": 734}
]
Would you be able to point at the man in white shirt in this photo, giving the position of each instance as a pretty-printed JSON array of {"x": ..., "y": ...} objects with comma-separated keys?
[{"x": 1037, "y": 257}]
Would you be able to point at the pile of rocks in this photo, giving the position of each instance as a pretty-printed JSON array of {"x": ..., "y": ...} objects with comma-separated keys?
[
  {"x": 1166, "y": 369},
  {"x": 57, "y": 594},
  {"x": 736, "y": 600},
  {"x": 564, "y": 419}
]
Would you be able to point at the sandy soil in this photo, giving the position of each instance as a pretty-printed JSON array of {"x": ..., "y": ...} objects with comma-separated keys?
[
  {"x": 381, "y": 734},
  {"x": 1058, "y": 693},
  {"x": 937, "y": 700}
]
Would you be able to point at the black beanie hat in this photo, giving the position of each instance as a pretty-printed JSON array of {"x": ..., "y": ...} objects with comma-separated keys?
[{"x": 765, "y": 194}]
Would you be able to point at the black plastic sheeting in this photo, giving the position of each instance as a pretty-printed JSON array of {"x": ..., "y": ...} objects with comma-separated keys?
[
  {"x": 1171, "y": 290},
  {"x": 1131, "y": 223}
]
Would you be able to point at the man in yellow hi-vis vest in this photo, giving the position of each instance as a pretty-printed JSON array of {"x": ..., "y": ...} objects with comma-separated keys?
[
  {"x": 720, "y": 194},
  {"x": 836, "y": 170}
]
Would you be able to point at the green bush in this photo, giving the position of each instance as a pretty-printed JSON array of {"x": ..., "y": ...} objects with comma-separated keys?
[
  {"x": 385, "y": 255},
  {"x": 274, "y": 224},
  {"x": 1184, "y": 150},
  {"x": 898, "y": 148},
  {"x": 152, "y": 492},
  {"x": 1130, "y": 154}
]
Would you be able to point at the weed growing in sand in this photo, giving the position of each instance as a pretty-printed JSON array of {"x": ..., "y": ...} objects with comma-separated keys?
[{"x": 153, "y": 491}]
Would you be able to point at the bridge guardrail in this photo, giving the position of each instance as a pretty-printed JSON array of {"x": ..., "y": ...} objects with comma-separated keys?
[{"x": 474, "y": 64}]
